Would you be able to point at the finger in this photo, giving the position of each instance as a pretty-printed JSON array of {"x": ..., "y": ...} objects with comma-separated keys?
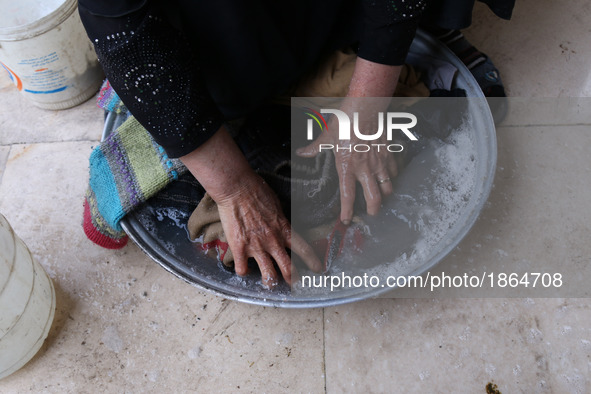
[
  {"x": 268, "y": 273},
  {"x": 392, "y": 166},
  {"x": 384, "y": 182},
  {"x": 240, "y": 262},
  {"x": 300, "y": 247},
  {"x": 371, "y": 192},
  {"x": 313, "y": 149},
  {"x": 347, "y": 192},
  {"x": 284, "y": 262}
]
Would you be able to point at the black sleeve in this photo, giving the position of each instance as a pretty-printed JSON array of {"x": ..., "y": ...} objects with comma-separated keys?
[
  {"x": 154, "y": 71},
  {"x": 388, "y": 29}
]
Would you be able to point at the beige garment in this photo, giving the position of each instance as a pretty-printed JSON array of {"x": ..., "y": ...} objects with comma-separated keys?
[
  {"x": 205, "y": 225},
  {"x": 332, "y": 78}
]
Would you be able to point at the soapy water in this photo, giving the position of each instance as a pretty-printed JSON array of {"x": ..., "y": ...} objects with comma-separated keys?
[
  {"x": 168, "y": 226},
  {"x": 176, "y": 215},
  {"x": 172, "y": 217},
  {"x": 151, "y": 217},
  {"x": 441, "y": 203},
  {"x": 430, "y": 195}
]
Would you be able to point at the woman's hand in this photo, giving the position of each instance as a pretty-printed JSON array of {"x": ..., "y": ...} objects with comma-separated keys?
[
  {"x": 251, "y": 215},
  {"x": 370, "y": 84},
  {"x": 374, "y": 169},
  {"x": 255, "y": 226}
]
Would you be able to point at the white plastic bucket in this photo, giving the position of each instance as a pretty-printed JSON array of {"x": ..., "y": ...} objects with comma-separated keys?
[
  {"x": 46, "y": 52},
  {"x": 27, "y": 302}
]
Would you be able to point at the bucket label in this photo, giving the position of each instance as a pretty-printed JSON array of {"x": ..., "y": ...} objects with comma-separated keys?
[{"x": 42, "y": 78}]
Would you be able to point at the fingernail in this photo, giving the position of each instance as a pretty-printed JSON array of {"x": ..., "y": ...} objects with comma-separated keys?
[{"x": 346, "y": 222}]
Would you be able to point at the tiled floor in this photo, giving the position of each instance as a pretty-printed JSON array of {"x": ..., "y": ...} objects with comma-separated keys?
[{"x": 125, "y": 325}]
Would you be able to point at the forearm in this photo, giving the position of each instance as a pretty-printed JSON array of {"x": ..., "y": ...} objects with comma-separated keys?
[
  {"x": 219, "y": 166},
  {"x": 373, "y": 79}
]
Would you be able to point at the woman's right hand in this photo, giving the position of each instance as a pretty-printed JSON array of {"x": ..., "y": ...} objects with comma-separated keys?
[
  {"x": 255, "y": 226},
  {"x": 251, "y": 215}
]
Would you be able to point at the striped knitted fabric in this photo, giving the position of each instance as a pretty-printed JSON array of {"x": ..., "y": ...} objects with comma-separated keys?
[
  {"x": 109, "y": 100},
  {"x": 125, "y": 170}
]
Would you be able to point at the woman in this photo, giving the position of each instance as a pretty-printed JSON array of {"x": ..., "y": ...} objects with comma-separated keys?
[{"x": 183, "y": 68}]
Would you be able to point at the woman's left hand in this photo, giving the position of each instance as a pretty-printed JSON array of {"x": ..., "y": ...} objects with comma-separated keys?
[
  {"x": 371, "y": 87},
  {"x": 373, "y": 169}
]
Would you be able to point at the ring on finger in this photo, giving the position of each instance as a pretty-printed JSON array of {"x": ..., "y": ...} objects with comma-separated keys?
[{"x": 380, "y": 181}]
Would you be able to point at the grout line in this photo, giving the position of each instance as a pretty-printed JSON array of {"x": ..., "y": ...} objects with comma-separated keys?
[
  {"x": 324, "y": 349},
  {"x": 48, "y": 142},
  {"x": 544, "y": 125},
  {"x": 3, "y": 169},
  {"x": 10, "y": 147}
]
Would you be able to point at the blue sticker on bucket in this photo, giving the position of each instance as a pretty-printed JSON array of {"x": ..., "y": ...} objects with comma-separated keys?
[{"x": 47, "y": 91}]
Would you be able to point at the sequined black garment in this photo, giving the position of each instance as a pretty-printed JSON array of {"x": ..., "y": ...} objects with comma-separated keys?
[
  {"x": 184, "y": 67},
  {"x": 457, "y": 14},
  {"x": 159, "y": 80}
]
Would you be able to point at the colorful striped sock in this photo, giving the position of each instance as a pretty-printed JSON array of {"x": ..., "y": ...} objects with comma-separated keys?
[
  {"x": 125, "y": 170},
  {"x": 109, "y": 100}
]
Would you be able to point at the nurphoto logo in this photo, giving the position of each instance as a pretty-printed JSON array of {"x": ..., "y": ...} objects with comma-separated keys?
[{"x": 390, "y": 124}]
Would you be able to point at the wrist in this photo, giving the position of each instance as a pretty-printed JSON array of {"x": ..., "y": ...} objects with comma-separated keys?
[
  {"x": 219, "y": 166},
  {"x": 373, "y": 79}
]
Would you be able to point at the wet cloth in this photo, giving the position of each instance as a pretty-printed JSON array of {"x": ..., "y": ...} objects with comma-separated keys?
[
  {"x": 332, "y": 77},
  {"x": 311, "y": 184},
  {"x": 204, "y": 226},
  {"x": 328, "y": 240},
  {"x": 119, "y": 180},
  {"x": 307, "y": 188}
]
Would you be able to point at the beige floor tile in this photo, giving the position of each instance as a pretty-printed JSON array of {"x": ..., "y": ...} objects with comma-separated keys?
[
  {"x": 536, "y": 218},
  {"x": 22, "y": 122},
  {"x": 123, "y": 324},
  {"x": 42, "y": 188},
  {"x": 459, "y": 346},
  {"x": 548, "y": 111},
  {"x": 543, "y": 51}
]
